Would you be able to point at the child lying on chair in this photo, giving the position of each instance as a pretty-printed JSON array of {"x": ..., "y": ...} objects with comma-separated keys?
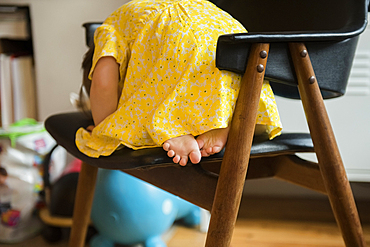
[{"x": 152, "y": 81}]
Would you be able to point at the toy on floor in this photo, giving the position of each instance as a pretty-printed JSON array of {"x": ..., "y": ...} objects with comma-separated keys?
[{"x": 129, "y": 211}]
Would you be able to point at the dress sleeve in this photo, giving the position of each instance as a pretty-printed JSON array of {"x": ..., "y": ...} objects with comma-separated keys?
[
  {"x": 109, "y": 42},
  {"x": 119, "y": 31}
]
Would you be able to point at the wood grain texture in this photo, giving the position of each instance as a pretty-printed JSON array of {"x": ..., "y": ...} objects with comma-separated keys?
[
  {"x": 83, "y": 205},
  {"x": 235, "y": 162},
  {"x": 271, "y": 233},
  {"x": 262, "y": 222},
  {"x": 327, "y": 152}
]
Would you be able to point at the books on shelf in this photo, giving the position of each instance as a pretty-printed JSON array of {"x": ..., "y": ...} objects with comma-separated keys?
[
  {"x": 15, "y": 29},
  {"x": 17, "y": 79},
  {"x": 14, "y": 22},
  {"x": 6, "y": 93},
  {"x": 17, "y": 88},
  {"x": 24, "y": 92}
]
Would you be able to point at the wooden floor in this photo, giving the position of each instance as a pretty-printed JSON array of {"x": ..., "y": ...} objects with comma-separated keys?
[
  {"x": 281, "y": 223},
  {"x": 265, "y": 223},
  {"x": 264, "y": 233}
]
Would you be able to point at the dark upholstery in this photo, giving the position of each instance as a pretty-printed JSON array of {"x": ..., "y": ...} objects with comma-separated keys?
[
  {"x": 310, "y": 19},
  {"x": 329, "y": 29},
  {"x": 331, "y": 73},
  {"x": 89, "y": 31},
  {"x": 64, "y": 126}
]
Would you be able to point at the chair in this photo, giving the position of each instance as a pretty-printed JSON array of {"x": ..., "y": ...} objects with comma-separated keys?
[{"x": 297, "y": 38}]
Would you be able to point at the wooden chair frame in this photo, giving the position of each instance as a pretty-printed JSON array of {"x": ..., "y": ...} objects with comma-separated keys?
[{"x": 222, "y": 195}]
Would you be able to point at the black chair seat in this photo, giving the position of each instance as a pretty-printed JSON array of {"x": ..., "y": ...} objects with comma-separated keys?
[{"x": 63, "y": 128}]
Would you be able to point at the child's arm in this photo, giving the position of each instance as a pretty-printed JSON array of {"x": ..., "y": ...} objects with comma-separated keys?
[{"x": 104, "y": 89}]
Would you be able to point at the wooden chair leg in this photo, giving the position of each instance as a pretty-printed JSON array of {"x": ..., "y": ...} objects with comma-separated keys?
[
  {"x": 83, "y": 204},
  {"x": 235, "y": 162},
  {"x": 331, "y": 165}
]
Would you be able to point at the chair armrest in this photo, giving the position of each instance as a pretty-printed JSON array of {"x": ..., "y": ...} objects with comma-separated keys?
[{"x": 273, "y": 37}]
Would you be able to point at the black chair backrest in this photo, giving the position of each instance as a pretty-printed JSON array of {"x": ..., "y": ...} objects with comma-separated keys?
[
  {"x": 329, "y": 28},
  {"x": 90, "y": 28},
  {"x": 292, "y": 15}
]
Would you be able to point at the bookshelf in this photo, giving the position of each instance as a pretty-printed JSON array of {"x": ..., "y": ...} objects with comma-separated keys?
[{"x": 17, "y": 77}]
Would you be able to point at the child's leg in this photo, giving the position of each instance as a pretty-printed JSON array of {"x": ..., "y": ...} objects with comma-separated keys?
[{"x": 182, "y": 147}]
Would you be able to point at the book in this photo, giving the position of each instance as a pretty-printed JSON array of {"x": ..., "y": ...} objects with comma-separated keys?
[
  {"x": 23, "y": 86},
  {"x": 6, "y": 92},
  {"x": 17, "y": 89},
  {"x": 14, "y": 22},
  {"x": 17, "y": 79}
]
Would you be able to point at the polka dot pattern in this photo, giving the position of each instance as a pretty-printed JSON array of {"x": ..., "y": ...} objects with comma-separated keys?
[{"x": 171, "y": 86}]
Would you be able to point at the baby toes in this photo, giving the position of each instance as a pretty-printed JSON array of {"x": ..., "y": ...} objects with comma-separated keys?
[
  {"x": 216, "y": 149},
  {"x": 195, "y": 157},
  {"x": 171, "y": 153},
  {"x": 210, "y": 150},
  {"x": 183, "y": 161},
  {"x": 166, "y": 146},
  {"x": 200, "y": 143},
  {"x": 176, "y": 159},
  {"x": 204, "y": 153}
]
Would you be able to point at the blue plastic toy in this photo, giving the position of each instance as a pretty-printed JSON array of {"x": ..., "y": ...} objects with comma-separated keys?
[{"x": 129, "y": 211}]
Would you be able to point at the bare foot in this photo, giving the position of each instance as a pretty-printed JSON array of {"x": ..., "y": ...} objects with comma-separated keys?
[
  {"x": 181, "y": 148},
  {"x": 212, "y": 141}
]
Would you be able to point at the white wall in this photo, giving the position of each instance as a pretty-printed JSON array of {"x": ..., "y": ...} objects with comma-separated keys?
[
  {"x": 349, "y": 115},
  {"x": 59, "y": 45}
]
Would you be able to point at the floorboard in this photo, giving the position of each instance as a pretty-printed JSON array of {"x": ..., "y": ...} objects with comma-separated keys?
[{"x": 262, "y": 222}]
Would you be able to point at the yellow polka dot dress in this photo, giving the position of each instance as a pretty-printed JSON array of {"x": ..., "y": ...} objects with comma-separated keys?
[{"x": 171, "y": 87}]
